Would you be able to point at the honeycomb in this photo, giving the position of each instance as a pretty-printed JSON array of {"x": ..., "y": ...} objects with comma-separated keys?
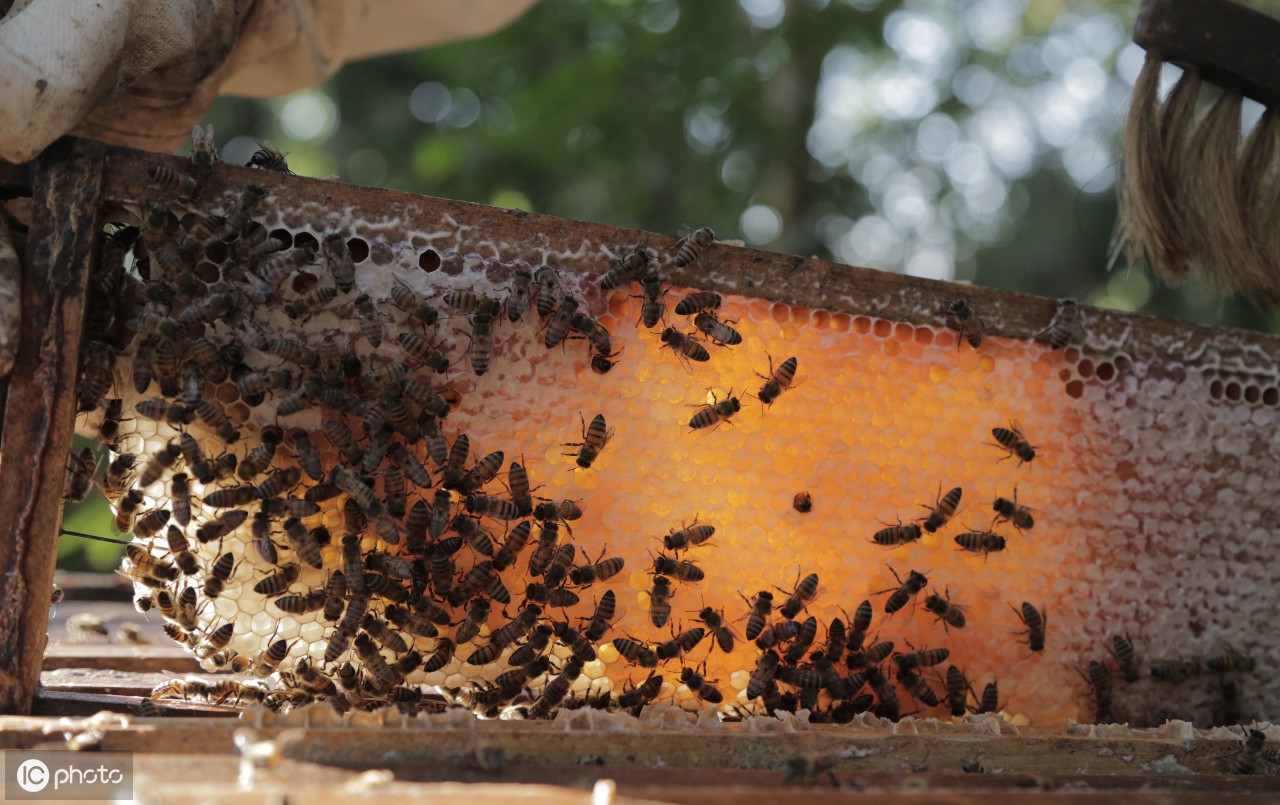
[{"x": 1149, "y": 486}]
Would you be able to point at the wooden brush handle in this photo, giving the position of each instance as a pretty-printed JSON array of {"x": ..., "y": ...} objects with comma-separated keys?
[{"x": 1229, "y": 44}]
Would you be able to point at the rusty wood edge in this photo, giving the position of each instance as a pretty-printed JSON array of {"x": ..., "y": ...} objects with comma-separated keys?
[
  {"x": 39, "y": 414},
  {"x": 797, "y": 281}
]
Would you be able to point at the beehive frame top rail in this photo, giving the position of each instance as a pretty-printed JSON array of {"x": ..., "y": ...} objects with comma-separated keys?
[{"x": 790, "y": 279}]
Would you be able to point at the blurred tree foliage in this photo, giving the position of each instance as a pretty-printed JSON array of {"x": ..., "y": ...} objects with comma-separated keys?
[{"x": 973, "y": 140}]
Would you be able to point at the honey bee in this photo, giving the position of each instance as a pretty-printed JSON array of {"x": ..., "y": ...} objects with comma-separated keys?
[
  {"x": 760, "y": 608},
  {"x": 967, "y": 323},
  {"x": 917, "y": 687},
  {"x": 1099, "y": 680},
  {"x": 602, "y": 618},
  {"x": 906, "y": 590},
  {"x": 637, "y": 696},
  {"x": 549, "y": 293},
  {"x": 1229, "y": 661},
  {"x": 159, "y": 463},
  {"x": 85, "y": 627},
  {"x": 602, "y": 570},
  {"x": 989, "y": 701},
  {"x": 763, "y": 675},
  {"x": 80, "y": 471},
  {"x": 1121, "y": 649},
  {"x": 597, "y": 335},
  {"x": 278, "y": 582},
  {"x": 716, "y": 413},
  {"x": 481, "y": 351},
  {"x": 895, "y": 535},
  {"x": 594, "y": 439},
  {"x": 514, "y": 544},
  {"x": 1245, "y": 760},
  {"x": 871, "y": 655},
  {"x": 167, "y": 177},
  {"x": 302, "y": 541},
  {"x": 268, "y": 157},
  {"x": 219, "y": 574},
  {"x": 1063, "y": 328},
  {"x": 161, "y": 410},
  {"x": 421, "y": 350},
  {"x": 212, "y": 415},
  {"x": 957, "y": 692},
  {"x": 410, "y": 302},
  {"x": 519, "y": 296},
  {"x": 887, "y": 704},
  {"x": 1036, "y": 623},
  {"x": 126, "y": 509},
  {"x": 357, "y": 489},
  {"x": 625, "y": 269},
  {"x": 601, "y": 365},
  {"x": 700, "y": 687},
  {"x": 660, "y": 601},
  {"x": 1011, "y": 512},
  {"x": 484, "y": 471},
  {"x": 682, "y": 643},
  {"x": 803, "y": 595},
  {"x": 299, "y": 604},
  {"x": 943, "y": 510},
  {"x": 203, "y": 152},
  {"x": 279, "y": 482},
  {"x": 151, "y": 522},
  {"x": 470, "y": 302},
  {"x": 677, "y": 569},
  {"x": 1014, "y": 442},
  {"x": 99, "y": 359},
  {"x": 717, "y": 332},
  {"x": 635, "y": 652},
  {"x": 776, "y": 633},
  {"x": 475, "y": 536},
  {"x": 556, "y": 689},
  {"x": 858, "y": 628},
  {"x": 369, "y": 319},
  {"x": 652, "y": 307},
  {"x": 804, "y": 638},
  {"x": 505, "y": 635},
  {"x": 685, "y": 346},
  {"x": 983, "y": 542},
  {"x": 353, "y": 563},
  {"x": 561, "y": 318},
  {"x": 949, "y": 614},
  {"x": 921, "y": 659}
]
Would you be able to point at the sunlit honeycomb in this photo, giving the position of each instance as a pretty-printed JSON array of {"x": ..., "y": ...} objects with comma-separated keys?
[{"x": 1151, "y": 486}]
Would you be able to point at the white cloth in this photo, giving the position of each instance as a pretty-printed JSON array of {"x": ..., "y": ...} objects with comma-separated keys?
[{"x": 142, "y": 72}]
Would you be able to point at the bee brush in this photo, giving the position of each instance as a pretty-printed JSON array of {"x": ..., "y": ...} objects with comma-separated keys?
[{"x": 1194, "y": 197}]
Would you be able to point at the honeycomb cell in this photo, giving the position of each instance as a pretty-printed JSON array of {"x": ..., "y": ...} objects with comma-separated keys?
[
  {"x": 939, "y": 373},
  {"x": 1271, "y": 395},
  {"x": 1075, "y": 389},
  {"x": 359, "y": 249},
  {"x": 306, "y": 240},
  {"x": 882, "y": 328},
  {"x": 283, "y": 235},
  {"x": 780, "y": 313},
  {"x": 1233, "y": 391},
  {"x": 892, "y": 348},
  {"x": 1216, "y": 389},
  {"x": 1085, "y": 368},
  {"x": 1106, "y": 371},
  {"x": 861, "y": 325},
  {"x": 924, "y": 335}
]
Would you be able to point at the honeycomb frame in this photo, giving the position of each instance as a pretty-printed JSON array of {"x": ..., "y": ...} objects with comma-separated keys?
[{"x": 1117, "y": 357}]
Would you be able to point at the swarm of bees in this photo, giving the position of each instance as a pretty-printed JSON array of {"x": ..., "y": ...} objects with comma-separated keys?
[{"x": 307, "y": 462}]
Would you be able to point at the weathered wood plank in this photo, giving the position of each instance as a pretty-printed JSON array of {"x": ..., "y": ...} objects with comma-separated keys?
[
  {"x": 148, "y": 658},
  {"x": 77, "y": 703},
  {"x": 40, "y": 410}
]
